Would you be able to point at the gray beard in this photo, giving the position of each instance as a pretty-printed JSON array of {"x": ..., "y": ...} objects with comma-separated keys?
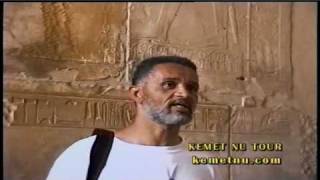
[{"x": 164, "y": 117}]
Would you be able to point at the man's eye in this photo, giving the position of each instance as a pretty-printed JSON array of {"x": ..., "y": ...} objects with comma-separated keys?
[{"x": 169, "y": 85}]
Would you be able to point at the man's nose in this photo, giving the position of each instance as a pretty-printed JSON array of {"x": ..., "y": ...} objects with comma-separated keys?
[{"x": 182, "y": 91}]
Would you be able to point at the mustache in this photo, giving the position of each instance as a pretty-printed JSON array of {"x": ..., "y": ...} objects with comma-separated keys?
[{"x": 184, "y": 102}]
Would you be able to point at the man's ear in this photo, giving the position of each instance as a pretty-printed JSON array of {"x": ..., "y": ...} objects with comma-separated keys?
[{"x": 136, "y": 94}]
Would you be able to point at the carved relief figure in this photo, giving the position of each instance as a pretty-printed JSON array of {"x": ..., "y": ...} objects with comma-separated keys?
[{"x": 8, "y": 112}]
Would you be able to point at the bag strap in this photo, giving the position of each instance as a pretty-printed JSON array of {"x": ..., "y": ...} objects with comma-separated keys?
[{"x": 99, "y": 152}]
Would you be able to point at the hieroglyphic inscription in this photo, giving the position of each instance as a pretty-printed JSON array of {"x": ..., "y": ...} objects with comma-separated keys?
[
  {"x": 62, "y": 111},
  {"x": 73, "y": 32},
  {"x": 217, "y": 69},
  {"x": 203, "y": 23},
  {"x": 270, "y": 45},
  {"x": 85, "y": 41},
  {"x": 108, "y": 113},
  {"x": 78, "y": 112},
  {"x": 207, "y": 59},
  {"x": 245, "y": 39},
  {"x": 58, "y": 30},
  {"x": 203, "y": 39},
  {"x": 264, "y": 44},
  {"x": 279, "y": 120}
]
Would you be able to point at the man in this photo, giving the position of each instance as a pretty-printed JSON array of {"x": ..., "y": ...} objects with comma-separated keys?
[{"x": 165, "y": 92}]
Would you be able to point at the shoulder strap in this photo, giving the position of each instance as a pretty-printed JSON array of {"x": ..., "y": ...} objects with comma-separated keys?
[{"x": 99, "y": 152}]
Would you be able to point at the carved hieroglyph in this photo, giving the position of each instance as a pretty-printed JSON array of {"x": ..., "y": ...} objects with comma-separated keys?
[
  {"x": 50, "y": 39},
  {"x": 110, "y": 113},
  {"x": 91, "y": 33},
  {"x": 225, "y": 40},
  {"x": 101, "y": 41}
]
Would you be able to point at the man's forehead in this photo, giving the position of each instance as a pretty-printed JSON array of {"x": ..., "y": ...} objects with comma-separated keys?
[{"x": 171, "y": 70}]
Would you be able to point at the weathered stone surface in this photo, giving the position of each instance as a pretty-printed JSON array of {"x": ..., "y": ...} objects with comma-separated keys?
[
  {"x": 67, "y": 31},
  {"x": 67, "y": 67},
  {"x": 277, "y": 120},
  {"x": 270, "y": 41},
  {"x": 281, "y": 124},
  {"x": 65, "y": 42},
  {"x": 248, "y": 101},
  {"x": 304, "y": 48}
]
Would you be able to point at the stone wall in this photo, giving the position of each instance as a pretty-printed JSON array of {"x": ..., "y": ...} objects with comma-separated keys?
[{"x": 67, "y": 67}]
